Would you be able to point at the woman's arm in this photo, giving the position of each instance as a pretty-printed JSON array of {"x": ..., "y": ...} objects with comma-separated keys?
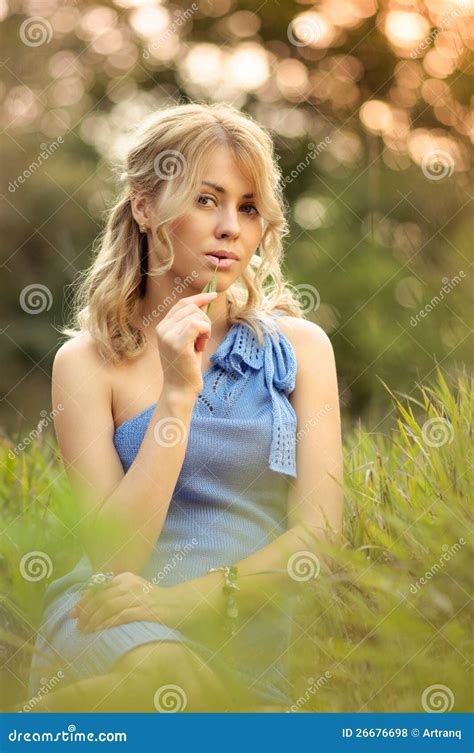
[
  {"x": 316, "y": 498},
  {"x": 124, "y": 513}
]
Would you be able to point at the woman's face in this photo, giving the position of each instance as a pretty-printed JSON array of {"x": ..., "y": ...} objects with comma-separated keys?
[{"x": 223, "y": 219}]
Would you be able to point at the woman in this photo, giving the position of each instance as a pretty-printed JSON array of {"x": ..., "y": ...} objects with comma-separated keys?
[{"x": 177, "y": 418}]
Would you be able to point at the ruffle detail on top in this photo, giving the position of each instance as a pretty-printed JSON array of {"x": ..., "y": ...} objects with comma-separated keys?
[{"x": 276, "y": 356}]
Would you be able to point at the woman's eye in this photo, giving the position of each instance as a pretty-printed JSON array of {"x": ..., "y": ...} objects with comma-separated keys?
[
  {"x": 250, "y": 206},
  {"x": 204, "y": 197}
]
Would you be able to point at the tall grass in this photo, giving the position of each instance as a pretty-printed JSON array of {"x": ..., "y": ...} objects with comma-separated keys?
[
  {"x": 389, "y": 622},
  {"x": 384, "y": 635}
]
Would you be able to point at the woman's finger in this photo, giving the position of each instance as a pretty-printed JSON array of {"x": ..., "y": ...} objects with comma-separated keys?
[
  {"x": 200, "y": 344},
  {"x": 197, "y": 327},
  {"x": 121, "y": 618},
  {"x": 89, "y": 602},
  {"x": 104, "y": 612},
  {"x": 81, "y": 607},
  {"x": 186, "y": 311}
]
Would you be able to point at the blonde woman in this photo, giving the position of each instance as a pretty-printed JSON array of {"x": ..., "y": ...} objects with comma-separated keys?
[{"x": 178, "y": 430}]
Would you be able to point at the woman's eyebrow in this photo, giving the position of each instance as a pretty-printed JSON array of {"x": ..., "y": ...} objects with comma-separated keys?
[{"x": 221, "y": 189}]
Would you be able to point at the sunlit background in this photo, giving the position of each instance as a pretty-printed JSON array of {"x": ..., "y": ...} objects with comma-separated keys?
[{"x": 368, "y": 104}]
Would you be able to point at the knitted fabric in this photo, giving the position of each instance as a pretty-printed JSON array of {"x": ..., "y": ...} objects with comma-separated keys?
[{"x": 229, "y": 501}]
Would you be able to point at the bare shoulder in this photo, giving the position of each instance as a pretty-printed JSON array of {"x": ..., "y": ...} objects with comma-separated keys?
[
  {"x": 79, "y": 355},
  {"x": 308, "y": 339},
  {"x": 78, "y": 369}
]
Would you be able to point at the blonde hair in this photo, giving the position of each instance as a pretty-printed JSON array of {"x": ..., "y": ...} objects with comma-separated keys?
[{"x": 175, "y": 143}]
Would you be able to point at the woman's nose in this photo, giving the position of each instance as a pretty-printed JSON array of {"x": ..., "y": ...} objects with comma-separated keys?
[{"x": 228, "y": 225}]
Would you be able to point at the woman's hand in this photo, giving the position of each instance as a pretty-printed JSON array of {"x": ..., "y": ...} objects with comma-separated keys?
[
  {"x": 182, "y": 336},
  {"x": 125, "y": 598}
]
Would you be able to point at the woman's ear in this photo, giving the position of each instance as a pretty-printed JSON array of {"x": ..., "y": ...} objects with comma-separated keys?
[{"x": 140, "y": 209}]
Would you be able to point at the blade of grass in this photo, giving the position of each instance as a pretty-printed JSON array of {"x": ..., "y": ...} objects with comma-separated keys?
[{"x": 210, "y": 287}]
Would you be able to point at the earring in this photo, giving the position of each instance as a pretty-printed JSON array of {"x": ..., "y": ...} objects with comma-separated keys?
[{"x": 143, "y": 228}]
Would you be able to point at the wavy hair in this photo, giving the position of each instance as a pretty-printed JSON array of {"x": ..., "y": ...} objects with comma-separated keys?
[{"x": 166, "y": 160}]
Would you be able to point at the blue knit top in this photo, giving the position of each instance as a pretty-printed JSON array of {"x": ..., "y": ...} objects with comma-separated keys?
[
  {"x": 246, "y": 387},
  {"x": 230, "y": 500}
]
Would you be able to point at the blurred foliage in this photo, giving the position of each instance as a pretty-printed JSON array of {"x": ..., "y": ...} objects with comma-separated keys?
[
  {"x": 378, "y": 205},
  {"x": 375, "y": 633}
]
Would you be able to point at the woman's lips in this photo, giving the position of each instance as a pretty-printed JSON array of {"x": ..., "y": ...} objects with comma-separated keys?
[{"x": 215, "y": 261}]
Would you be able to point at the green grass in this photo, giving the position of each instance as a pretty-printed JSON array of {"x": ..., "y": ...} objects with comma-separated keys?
[
  {"x": 380, "y": 635},
  {"x": 210, "y": 287}
]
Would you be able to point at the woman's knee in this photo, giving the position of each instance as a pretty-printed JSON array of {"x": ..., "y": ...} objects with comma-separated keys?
[
  {"x": 158, "y": 657},
  {"x": 168, "y": 670}
]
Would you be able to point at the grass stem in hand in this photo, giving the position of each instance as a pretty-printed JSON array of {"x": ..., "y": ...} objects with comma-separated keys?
[{"x": 210, "y": 287}]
